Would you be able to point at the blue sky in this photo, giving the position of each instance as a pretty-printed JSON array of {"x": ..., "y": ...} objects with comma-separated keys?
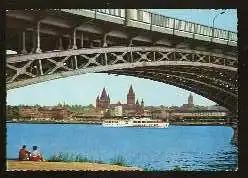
[{"x": 83, "y": 89}]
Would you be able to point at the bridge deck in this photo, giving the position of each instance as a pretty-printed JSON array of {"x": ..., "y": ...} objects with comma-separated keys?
[{"x": 159, "y": 23}]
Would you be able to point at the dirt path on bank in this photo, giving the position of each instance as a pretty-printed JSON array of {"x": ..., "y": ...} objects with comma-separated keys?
[{"x": 31, "y": 165}]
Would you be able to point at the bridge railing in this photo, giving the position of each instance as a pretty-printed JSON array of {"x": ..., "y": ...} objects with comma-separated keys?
[
  {"x": 174, "y": 24},
  {"x": 113, "y": 12},
  {"x": 187, "y": 26}
]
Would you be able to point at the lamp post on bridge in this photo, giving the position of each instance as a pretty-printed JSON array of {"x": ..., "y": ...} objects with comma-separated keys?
[{"x": 214, "y": 24}]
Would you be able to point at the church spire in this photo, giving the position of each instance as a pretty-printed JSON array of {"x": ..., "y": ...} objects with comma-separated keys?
[
  {"x": 142, "y": 102},
  {"x": 131, "y": 96},
  {"x": 137, "y": 102},
  {"x": 104, "y": 94},
  {"x": 131, "y": 90},
  {"x": 108, "y": 99}
]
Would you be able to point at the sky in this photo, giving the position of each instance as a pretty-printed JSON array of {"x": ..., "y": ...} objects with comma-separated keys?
[{"x": 83, "y": 89}]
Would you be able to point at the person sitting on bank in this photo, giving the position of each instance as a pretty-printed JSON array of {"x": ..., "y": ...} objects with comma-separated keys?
[
  {"x": 36, "y": 155},
  {"x": 23, "y": 153}
]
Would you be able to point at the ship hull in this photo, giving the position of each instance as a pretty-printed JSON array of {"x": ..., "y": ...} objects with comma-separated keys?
[{"x": 147, "y": 123}]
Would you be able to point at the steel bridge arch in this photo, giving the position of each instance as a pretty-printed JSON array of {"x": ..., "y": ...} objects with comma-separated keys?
[{"x": 144, "y": 62}]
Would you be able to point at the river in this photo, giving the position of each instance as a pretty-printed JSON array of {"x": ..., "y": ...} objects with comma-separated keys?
[{"x": 205, "y": 148}]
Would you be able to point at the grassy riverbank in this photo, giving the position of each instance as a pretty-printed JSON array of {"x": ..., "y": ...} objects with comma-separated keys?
[
  {"x": 66, "y": 157},
  {"x": 83, "y": 166},
  {"x": 66, "y": 161}
]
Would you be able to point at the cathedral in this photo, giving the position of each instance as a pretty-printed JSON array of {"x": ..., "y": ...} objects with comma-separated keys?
[
  {"x": 104, "y": 101},
  {"x": 131, "y": 108}
]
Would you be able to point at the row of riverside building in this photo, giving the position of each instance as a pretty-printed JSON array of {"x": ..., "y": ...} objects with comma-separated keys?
[
  {"x": 44, "y": 113},
  {"x": 132, "y": 107}
]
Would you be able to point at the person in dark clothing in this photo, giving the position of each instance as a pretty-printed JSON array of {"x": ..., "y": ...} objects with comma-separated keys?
[{"x": 23, "y": 153}]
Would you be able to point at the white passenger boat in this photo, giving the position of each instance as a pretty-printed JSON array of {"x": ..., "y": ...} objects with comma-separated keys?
[
  {"x": 136, "y": 122},
  {"x": 116, "y": 123}
]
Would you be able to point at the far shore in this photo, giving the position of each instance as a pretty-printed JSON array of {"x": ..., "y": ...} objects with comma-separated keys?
[
  {"x": 99, "y": 122},
  {"x": 13, "y": 165},
  {"x": 55, "y": 122}
]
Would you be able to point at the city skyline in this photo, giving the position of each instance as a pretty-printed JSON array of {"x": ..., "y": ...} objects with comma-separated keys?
[
  {"x": 82, "y": 89},
  {"x": 116, "y": 92}
]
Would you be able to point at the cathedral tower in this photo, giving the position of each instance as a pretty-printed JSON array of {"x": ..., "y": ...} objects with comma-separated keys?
[
  {"x": 104, "y": 101},
  {"x": 190, "y": 101},
  {"x": 131, "y": 96}
]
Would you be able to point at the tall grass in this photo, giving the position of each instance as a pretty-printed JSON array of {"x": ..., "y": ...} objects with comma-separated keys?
[
  {"x": 119, "y": 160},
  {"x": 66, "y": 157}
]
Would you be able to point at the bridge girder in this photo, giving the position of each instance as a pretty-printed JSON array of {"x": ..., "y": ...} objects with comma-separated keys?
[
  {"x": 217, "y": 81},
  {"x": 216, "y": 94}
]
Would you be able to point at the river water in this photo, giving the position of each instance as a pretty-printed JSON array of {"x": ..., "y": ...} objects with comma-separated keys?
[{"x": 189, "y": 147}]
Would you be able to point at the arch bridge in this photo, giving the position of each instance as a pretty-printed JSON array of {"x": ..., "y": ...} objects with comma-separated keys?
[{"x": 53, "y": 44}]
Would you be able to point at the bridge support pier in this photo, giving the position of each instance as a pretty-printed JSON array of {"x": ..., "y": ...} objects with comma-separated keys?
[
  {"x": 130, "y": 43},
  {"x": 33, "y": 43},
  {"x": 24, "y": 51},
  {"x": 82, "y": 40},
  {"x": 74, "y": 39},
  {"x": 235, "y": 134},
  {"x": 38, "y": 50},
  {"x": 69, "y": 43},
  {"x": 60, "y": 43},
  {"x": 105, "y": 41}
]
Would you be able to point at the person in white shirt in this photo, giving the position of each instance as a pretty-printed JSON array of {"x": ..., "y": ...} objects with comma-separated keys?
[{"x": 36, "y": 155}]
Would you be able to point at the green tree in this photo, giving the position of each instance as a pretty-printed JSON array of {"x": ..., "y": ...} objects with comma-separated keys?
[{"x": 13, "y": 112}]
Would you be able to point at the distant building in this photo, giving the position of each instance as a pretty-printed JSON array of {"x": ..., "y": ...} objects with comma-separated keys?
[
  {"x": 28, "y": 111},
  {"x": 96, "y": 114},
  {"x": 131, "y": 108},
  {"x": 190, "y": 101},
  {"x": 59, "y": 113},
  {"x": 160, "y": 113},
  {"x": 198, "y": 113},
  {"x": 190, "y": 104},
  {"x": 104, "y": 101},
  {"x": 116, "y": 111},
  {"x": 147, "y": 113},
  {"x": 131, "y": 97}
]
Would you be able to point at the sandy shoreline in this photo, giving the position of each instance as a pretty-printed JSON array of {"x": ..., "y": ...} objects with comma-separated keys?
[{"x": 13, "y": 165}]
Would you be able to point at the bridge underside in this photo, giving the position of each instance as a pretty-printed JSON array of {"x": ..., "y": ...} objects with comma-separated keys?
[
  {"x": 190, "y": 78},
  {"x": 53, "y": 45}
]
